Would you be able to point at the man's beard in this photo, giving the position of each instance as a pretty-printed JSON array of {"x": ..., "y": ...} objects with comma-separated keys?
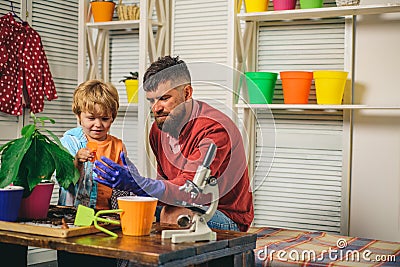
[{"x": 173, "y": 122}]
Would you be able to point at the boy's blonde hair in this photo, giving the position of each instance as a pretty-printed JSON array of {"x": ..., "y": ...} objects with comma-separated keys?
[{"x": 92, "y": 92}]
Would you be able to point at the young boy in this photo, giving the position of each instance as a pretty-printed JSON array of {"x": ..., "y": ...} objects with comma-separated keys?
[{"x": 95, "y": 105}]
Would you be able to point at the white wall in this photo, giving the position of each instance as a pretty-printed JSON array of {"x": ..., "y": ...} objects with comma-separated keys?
[{"x": 375, "y": 185}]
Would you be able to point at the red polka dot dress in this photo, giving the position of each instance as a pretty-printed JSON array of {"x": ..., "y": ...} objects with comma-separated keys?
[{"x": 23, "y": 68}]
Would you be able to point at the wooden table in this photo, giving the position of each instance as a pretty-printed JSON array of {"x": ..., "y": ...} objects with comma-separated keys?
[{"x": 230, "y": 249}]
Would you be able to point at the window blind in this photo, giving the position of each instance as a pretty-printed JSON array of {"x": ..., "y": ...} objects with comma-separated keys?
[
  {"x": 124, "y": 58},
  {"x": 57, "y": 24},
  {"x": 300, "y": 188},
  {"x": 200, "y": 34}
]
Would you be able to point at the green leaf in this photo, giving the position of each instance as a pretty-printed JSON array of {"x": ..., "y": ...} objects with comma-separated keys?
[
  {"x": 133, "y": 76},
  {"x": 66, "y": 173},
  {"x": 11, "y": 160},
  {"x": 6, "y": 145},
  {"x": 35, "y": 157},
  {"x": 37, "y": 165},
  {"x": 55, "y": 138},
  {"x": 42, "y": 119},
  {"x": 28, "y": 130}
]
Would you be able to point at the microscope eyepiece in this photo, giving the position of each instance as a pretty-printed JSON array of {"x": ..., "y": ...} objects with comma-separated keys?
[{"x": 210, "y": 155}]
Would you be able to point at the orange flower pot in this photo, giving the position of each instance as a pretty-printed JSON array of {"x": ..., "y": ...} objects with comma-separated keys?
[
  {"x": 102, "y": 10},
  {"x": 296, "y": 86}
]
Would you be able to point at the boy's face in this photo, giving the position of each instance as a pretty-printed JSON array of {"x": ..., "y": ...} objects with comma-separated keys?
[{"x": 97, "y": 125}]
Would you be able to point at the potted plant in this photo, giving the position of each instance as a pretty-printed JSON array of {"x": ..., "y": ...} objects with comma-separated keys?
[
  {"x": 132, "y": 86},
  {"x": 102, "y": 10},
  {"x": 32, "y": 159}
]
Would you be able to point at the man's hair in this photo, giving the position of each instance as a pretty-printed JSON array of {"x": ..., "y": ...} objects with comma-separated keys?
[
  {"x": 92, "y": 92},
  {"x": 165, "y": 69}
]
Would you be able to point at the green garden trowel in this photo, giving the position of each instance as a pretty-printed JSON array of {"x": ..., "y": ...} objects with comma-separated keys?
[{"x": 85, "y": 217}]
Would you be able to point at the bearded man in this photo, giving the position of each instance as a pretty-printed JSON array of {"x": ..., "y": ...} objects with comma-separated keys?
[{"x": 180, "y": 136}]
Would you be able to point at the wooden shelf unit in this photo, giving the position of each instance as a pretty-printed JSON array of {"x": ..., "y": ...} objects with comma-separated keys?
[{"x": 246, "y": 27}]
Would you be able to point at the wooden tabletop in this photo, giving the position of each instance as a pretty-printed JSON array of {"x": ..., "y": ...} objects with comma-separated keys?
[{"x": 150, "y": 250}]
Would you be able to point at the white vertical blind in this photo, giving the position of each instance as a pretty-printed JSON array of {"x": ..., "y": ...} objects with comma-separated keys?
[
  {"x": 59, "y": 37},
  {"x": 126, "y": 128},
  {"x": 200, "y": 34},
  {"x": 124, "y": 58},
  {"x": 57, "y": 24},
  {"x": 302, "y": 187}
]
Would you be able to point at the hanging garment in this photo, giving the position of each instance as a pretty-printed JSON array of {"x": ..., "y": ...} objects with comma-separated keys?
[
  {"x": 23, "y": 68},
  {"x": 11, "y": 47}
]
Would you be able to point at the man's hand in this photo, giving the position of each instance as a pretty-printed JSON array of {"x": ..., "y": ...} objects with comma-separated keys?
[
  {"x": 114, "y": 175},
  {"x": 126, "y": 178}
]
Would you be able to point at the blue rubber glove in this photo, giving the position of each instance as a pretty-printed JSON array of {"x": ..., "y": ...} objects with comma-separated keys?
[{"x": 127, "y": 178}]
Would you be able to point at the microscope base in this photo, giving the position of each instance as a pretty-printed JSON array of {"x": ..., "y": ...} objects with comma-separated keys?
[{"x": 199, "y": 231}]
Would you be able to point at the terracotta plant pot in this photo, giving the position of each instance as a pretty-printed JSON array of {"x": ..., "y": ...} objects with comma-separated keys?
[
  {"x": 10, "y": 202},
  {"x": 296, "y": 86},
  {"x": 102, "y": 10},
  {"x": 36, "y": 205}
]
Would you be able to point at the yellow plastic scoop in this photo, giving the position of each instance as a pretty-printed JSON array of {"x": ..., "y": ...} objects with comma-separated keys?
[{"x": 85, "y": 216}]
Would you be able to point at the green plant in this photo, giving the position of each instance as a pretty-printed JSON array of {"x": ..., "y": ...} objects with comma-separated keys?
[
  {"x": 34, "y": 157},
  {"x": 133, "y": 76}
]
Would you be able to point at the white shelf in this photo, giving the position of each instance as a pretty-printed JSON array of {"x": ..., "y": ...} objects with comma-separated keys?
[
  {"x": 324, "y": 12},
  {"x": 297, "y": 107},
  {"x": 382, "y": 107},
  {"x": 114, "y": 25}
]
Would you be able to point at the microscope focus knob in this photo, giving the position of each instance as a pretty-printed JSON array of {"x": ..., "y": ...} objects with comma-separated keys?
[{"x": 183, "y": 220}]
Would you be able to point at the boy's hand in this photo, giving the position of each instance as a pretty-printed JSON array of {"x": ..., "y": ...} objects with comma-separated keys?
[{"x": 84, "y": 155}]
